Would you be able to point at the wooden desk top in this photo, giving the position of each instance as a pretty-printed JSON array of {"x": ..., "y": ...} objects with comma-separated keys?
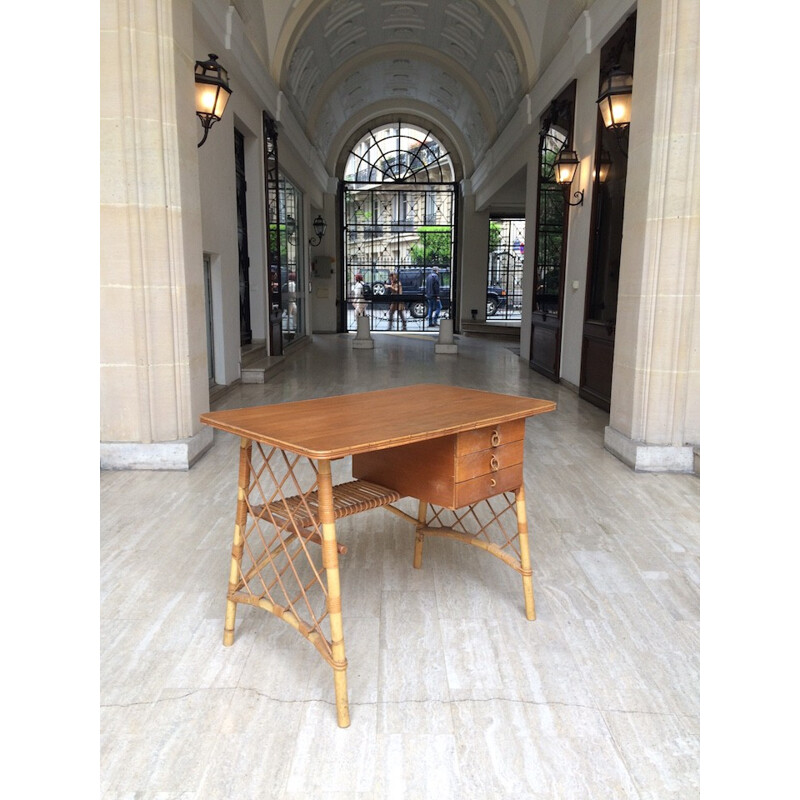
[{"x": 335, "y": 427}]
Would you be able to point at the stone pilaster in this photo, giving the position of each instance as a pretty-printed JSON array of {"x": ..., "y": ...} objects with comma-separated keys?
[
  {"x": 153, "y": 372},
  {"x": 655, "y": 405}
]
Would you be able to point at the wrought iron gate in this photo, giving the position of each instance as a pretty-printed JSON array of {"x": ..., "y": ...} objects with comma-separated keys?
[{"x": 399, "y": 210}]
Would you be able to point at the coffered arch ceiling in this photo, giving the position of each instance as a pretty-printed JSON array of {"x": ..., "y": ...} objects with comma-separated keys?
[
  {"x": 441, "y": 91},
  {"x": 463, "y": 64}
]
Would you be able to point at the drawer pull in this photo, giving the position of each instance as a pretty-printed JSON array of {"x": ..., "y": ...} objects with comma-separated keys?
[
  {"x": 492, "y": 482},
  {"x": 495, "y": 438},
  {"x": 494, "y": 464}
]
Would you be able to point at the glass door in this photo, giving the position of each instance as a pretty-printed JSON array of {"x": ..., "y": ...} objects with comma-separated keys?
[
  {"x": 275, "y": 237},
  {"x": 608, "y": 210},
  {"x": 505, "y": 269},
  {"x": 552, "y": 223},
  {"x": 292, "y": 275}
]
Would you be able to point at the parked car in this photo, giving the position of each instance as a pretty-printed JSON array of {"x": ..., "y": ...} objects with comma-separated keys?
[{"x": 412, "y": 279}]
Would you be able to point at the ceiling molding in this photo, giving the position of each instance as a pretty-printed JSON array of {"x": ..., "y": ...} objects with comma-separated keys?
[
  {"x": 299, "y": 17},
  {"x": 511, "y": 22}
]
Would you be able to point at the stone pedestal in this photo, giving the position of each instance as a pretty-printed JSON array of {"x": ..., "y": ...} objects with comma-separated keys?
[
  {"x": 363, "y": 338},
  {"x": 445, "y": 343}
]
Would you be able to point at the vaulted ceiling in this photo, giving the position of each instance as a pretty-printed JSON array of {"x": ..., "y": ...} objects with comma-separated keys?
[{"x": 462, "y": 65}]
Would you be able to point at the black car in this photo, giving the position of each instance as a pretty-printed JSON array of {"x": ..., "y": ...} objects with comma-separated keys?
[{"x": 412, "y": 279}]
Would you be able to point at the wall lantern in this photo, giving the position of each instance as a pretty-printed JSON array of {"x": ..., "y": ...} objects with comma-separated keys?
[
  {"x": 320, "y": 226},
  {"x": 603, "y": 167},
  {"x": 211, "y": 92},
  {"x": 564, "y": 169},
  {"x": 615, "y": 99}
]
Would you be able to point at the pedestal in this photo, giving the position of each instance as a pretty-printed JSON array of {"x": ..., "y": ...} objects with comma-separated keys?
[
  {"x": 445, "y": 343},
  {"x": 363, "y": 335}
]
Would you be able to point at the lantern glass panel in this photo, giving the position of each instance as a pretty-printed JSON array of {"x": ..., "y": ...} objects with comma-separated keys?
[{"x": 615, "y": 100}]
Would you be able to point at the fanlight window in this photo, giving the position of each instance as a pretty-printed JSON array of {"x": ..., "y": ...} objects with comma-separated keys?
[
  {"x": 553, "y": 141},
  {"x": 399, "y": 153}
]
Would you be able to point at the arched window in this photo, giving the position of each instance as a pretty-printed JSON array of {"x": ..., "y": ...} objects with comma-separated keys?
[{"x": 399, "y": 153}]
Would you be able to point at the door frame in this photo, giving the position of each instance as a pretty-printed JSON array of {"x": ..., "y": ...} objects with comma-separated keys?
[{"x": 546, "y": 325}]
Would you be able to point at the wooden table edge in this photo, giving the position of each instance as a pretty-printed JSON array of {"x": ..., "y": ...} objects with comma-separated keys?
[{"x": 384, "y": 444}]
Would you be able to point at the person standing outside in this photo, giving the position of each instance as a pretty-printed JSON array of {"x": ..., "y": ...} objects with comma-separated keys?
[
  {"x": 395, "y": 287},
  {"x": 291, "y": 296},
  {"x": 359, "y": 303},
  {"x": 432, "y": 297}
]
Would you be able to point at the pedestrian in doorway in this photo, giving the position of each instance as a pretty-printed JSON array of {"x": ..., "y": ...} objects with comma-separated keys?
[
  {"x": 432, "y": 297},
  {"x": 291, "y": 287},
  {"x": 395, "y": 287}
]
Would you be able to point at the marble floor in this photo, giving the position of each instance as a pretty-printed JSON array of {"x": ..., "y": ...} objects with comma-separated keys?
[{"x": 453, "y": 693}]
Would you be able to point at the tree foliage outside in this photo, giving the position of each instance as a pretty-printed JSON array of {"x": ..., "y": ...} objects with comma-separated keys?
[
  {"x": 278, "y": 240},
  {"x": 434, "y": 246},
  {"x": 495, "y": 235}
]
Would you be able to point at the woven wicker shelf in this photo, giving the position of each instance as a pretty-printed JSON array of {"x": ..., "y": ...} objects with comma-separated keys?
[{"x": 349, "y": 498}]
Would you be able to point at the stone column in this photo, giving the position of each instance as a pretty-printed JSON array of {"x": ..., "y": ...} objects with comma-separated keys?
[
  {"x": 153, "y": 372},
  {"x": 655, "y": 406}
]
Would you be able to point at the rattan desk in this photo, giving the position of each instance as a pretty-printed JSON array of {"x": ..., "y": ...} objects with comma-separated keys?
[{"x": 458, "y": 451}]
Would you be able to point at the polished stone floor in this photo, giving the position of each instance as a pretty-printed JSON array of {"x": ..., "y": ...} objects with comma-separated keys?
[{"x": 453, "y": 693}]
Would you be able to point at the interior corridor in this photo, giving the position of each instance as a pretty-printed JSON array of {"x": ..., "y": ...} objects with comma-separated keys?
[{"x": 453, "y": 693}]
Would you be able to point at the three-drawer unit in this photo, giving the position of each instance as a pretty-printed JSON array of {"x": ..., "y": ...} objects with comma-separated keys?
[{"x": 451, "y": 471}]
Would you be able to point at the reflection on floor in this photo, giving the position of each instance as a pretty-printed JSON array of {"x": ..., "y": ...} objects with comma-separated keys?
[{"x": 453, "y": 694}]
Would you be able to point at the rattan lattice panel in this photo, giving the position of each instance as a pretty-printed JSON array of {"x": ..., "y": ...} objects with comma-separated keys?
[
  {"x": 490, "y": 524},
  {"x": 280, "y": 555}
]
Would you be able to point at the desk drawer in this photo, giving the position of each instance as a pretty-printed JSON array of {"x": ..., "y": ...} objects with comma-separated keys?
[
  {"x": 484, "y": 462},
  {"x": 450, "y": 471},
  {"x": 493, "y": 436},
  {"x": 483, "y": 486}
]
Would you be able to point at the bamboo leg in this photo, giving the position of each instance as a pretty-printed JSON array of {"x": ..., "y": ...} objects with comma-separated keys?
[
  {"x": 423, "y": 510},
  {"x": 245, "y": 453},
  {"x": 525, "y": 554},
  {"x": 330, "y": 561}
]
